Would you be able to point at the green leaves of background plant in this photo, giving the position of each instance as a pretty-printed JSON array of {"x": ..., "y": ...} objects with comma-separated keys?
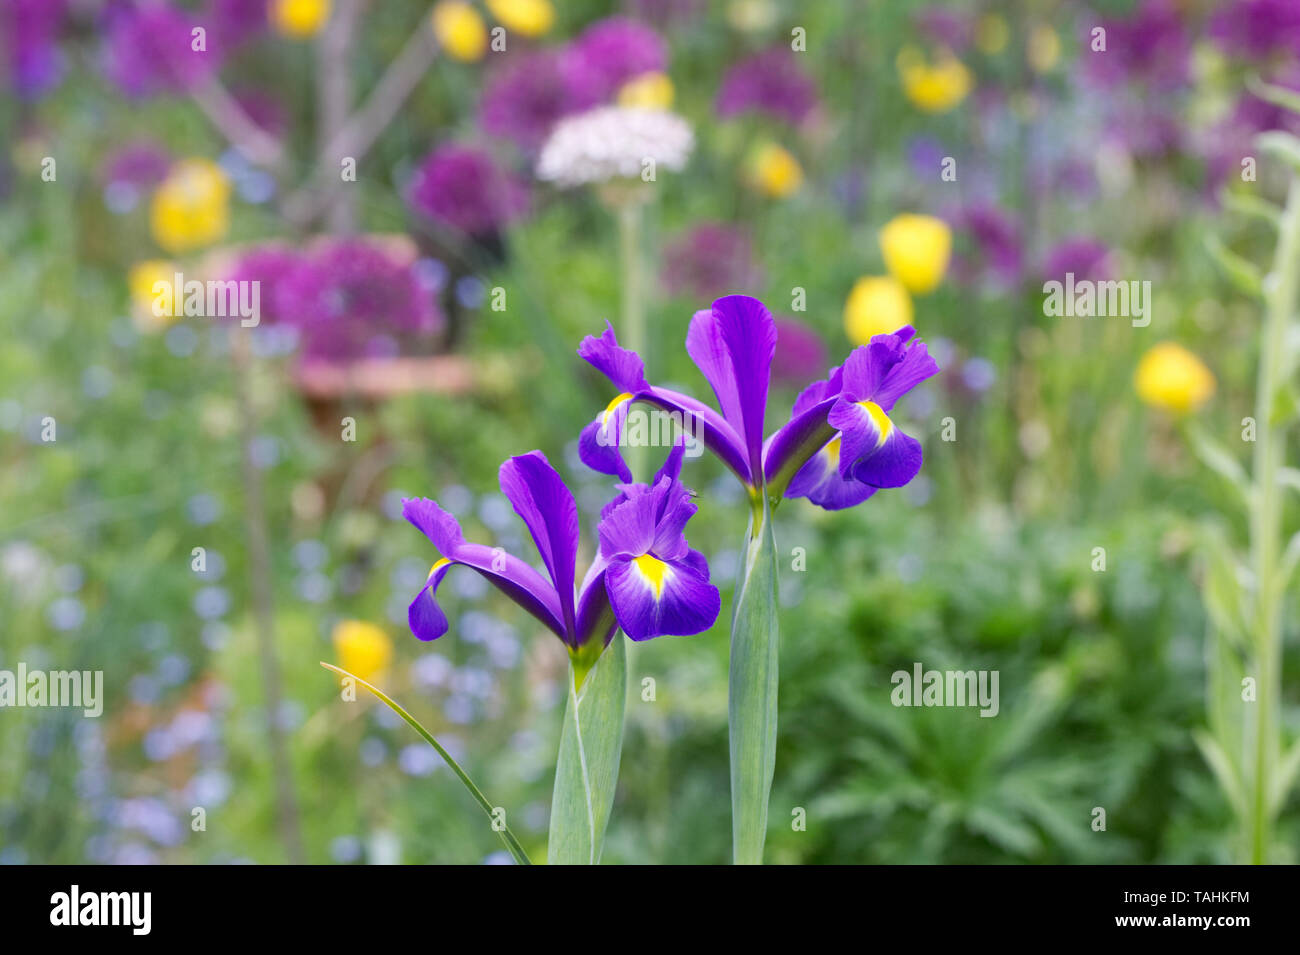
[
  {"x": 586, "y": 771},
  {"x": 753, "y": 687}
]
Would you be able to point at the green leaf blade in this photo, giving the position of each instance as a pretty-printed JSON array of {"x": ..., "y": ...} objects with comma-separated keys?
[
  {"x": 752, "y": 697},
  {"x": 586, "y": 771}
]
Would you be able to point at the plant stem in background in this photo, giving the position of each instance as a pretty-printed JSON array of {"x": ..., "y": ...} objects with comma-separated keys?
[
  {"x": 1266, "y": 526},
  {"x": 333, "y": 101},
  {"x": 752, "y": 689},
  {"x": 586, "y": 770},
  {"x": 259, "y": 571}
]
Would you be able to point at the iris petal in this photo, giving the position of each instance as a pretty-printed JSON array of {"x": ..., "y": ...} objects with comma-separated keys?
[
  {"x": 653, "y": 598},
  {"x": 545, "y": 504}
]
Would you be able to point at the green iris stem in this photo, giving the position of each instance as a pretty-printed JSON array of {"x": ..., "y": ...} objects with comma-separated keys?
[
  {"x": 752, "y": 689},
  {"x": 512, "y": 844},
  {"x": 1266, "y": 529}
]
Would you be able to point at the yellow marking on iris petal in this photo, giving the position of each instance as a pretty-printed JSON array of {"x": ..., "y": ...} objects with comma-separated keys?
[
  {"x": 612, "y": 407},
  {"x": 441, "y": 562},
  {"x": 832, "y": 450},
  {"x": 879, "y": 419},
  {"x": 654, "y": 571}
]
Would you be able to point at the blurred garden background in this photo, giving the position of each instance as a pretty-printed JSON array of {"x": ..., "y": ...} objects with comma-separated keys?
[{"x": 432, "y": 294}]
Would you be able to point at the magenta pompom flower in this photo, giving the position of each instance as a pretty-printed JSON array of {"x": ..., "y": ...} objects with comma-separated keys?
[
  {"x": 612, "y": 51},
  {"x": 29, "y": 47},
  {"x": 773, "y": 83},
  {"x": 463, "y": 188},
  {"x": 148, "y": 51}
]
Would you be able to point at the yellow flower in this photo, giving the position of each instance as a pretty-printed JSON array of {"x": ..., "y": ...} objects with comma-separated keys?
[
  {"x": 1044, "y": 49},
  {"x": 191, "y": 208},
  {"x": 647, "y": 91},
  {"x": 991, "y": 34},
  {"x": 300, "y": 18},
  {"x": 877, "y": 305},
  {"x": 140, "y": 283},
  {"x": 460, "y": 30},
  {"x": 916, "y": 250},
  {"x": 363, "y": 649},
  {"x": 529, "y": 17},
  {"x": 934, "y": 87},
  {"x": 1171, "y": 377},
  {"x": 774, "y": 171}
]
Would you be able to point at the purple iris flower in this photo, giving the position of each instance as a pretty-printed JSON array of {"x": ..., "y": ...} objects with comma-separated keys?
[
  {"x": 839, "y": 445},
  {"x": 645, "y": 578}
]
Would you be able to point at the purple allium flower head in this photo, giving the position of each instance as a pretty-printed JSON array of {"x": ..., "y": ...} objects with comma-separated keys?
[
  {"x": 30, "y": 49},
  {"x": 800, "y": 354},
  {"x": 612, "y": 51},
  {"x": 1231, "y": 140},
  {"x": 1085, "y": 258},
  {"x": 1152, "y": 47},
  {"x": 464, "y": 188},
  {"x": 665, "y": 13},
  {"x": 711, "y": 259},
  {"x": 771, "y": 82},
  {"x": 264, "y": 110},
  {"x": 147, "y": 51},
  {"x": 235, "y": 22},
  {"x": 1257, "y": 28},
  {"x": 141, "y": 165},
  {"x": 946, "y": 27},
  {"x": 994, "y": 247},
  {"x": 357, "y": 298},
  {"x": 528, "y": 93},
  {"x": 272, "y": 266}
]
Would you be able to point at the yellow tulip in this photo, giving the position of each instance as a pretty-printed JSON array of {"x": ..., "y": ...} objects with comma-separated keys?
[
  {"x": 1044, "y": 49},
  {"x": 460, "y": 30},
  {"x": 991, "y": 34},
  {"x": 877, "y": 305},
  {"x": 191, "y": 208},
  {"x": 363, "y": 649},
  {"x": 300, "y": 18},
  {"x": 934, "y": 87},
  {"x": 529, "y": 17},
  {"x": 140, "y": 282},
  {"x": 774, "y": 171},
  {"x": 647, "y": 91},
  {"x": 1171, "y": 377},
  {"x": 916, "y": 250}
]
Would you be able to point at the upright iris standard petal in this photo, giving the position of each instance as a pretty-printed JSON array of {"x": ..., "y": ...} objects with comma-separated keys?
[
  {"x": 545, "y": 504},
  {"x": 733, "y": 344},
  {"x": 516, "y": 579}
]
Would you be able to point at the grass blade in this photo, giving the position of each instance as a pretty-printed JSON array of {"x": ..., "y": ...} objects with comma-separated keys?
[{"x": 508, "y": 837}]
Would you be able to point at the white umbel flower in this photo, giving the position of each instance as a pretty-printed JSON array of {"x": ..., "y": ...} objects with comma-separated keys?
[{"x": 614, "y": 142}]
